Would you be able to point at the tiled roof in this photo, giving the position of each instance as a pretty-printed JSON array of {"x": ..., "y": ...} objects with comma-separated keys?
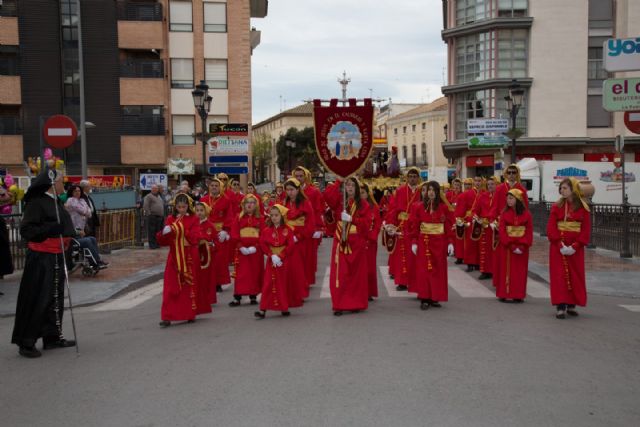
[
  {"x": 439, "y": 104},
  {"x": 305, "y": 109}
]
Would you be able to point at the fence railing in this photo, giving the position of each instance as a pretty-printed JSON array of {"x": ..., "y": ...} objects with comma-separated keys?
[
  {"x": 142, "y": 68},
  {"x": 607, "y": 225},
  {"x": 140, "y": 11}
]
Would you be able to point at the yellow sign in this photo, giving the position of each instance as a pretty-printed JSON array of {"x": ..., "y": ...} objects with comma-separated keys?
[{"x": 380, "y": 141}]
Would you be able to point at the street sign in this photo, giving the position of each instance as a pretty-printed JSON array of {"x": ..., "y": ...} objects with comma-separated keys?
[
  {"x": 228, "y": 159},
  {"x": 229, "y": 170},
  {"x": 60, "y": 131},
  {"x": 487, "y": 125},
  {"x": 228, "y": 145},
  {"x": 621, "y": 94},
  {"x": 622, "y": 54},
  {"x": 619, "y": 143},
  {"x": 632, "y": 121},
  {"x": 482, "y": 142},
  {"x": 237, "y": 129},
  {"x": 424, "y": 174},
  {"x": 147, "y": 180}
]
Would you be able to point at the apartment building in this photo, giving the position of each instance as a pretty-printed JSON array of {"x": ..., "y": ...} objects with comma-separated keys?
[
  {"x": 553, "y": 49},
  {"x": 142, "y": 59}
]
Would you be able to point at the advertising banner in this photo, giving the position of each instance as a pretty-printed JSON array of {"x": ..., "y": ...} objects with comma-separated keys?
[{"x": 101, "y": 181}]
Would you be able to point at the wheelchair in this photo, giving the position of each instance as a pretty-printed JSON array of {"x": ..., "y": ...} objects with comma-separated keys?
[{"x": 82, "y": 258}]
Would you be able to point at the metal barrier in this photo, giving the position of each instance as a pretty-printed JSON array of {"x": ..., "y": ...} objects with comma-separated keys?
[
  {"x": 607, "y": 225},
  {"x": 117, "y": 228},
  {"x": 17, "y": 246}
]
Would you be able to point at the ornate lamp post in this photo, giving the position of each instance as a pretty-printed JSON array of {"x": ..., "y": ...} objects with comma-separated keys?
[
  {"x": 202, "y": 103},
  {"x": 514, "y": 102}
]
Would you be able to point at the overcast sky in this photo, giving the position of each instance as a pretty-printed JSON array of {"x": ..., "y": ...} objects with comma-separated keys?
[{"x": 391, "y": 47}]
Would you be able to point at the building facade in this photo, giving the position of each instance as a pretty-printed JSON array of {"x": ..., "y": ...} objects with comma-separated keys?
[
  {"x": 142, "y": 59},
  {"x": 553, "y": 49}
]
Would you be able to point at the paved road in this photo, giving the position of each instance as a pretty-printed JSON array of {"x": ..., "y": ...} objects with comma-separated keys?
[{"x": 474, "y": 362}]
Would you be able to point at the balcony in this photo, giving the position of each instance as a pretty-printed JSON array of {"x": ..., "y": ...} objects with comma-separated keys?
[
  {"x": 141, "y": 68},
  {"x": 139, "y": 11},
  {"x": 142, "y": 125},
  {"x": 10, "y": 125},
  {"x": 140, "y": 25}
]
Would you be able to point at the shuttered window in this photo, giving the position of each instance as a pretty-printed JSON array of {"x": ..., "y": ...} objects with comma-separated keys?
[
  {"x": 183, "y": 130},
  {"x": 215, "y": 18},
  {"x": 182, "y": 73},
  {"x": 180, "y": 16},
  {"x": 215, "y": 71}
]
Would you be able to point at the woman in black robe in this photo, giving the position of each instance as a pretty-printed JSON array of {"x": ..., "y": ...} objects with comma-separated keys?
[{"x": 41, "y": 297}]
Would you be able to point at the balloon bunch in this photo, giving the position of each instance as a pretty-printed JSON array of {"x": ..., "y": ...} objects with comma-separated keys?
[
  {"x": 52, "y": 162},
  {"x": 10, "y": 194}
]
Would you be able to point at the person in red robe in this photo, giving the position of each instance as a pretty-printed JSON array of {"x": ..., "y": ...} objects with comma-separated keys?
[
  {"x": 372, "y": 240},
  {"x": 452, "y": 196},
  {"x": 207, "y": 253},
  {"x": 465, "y": 207},
  {"x": 484, "y": 215},
  {"x": 245, "y": 232},
  {"x": 276, "y": 241},
  {"x": 402, "y": 258},
  {"x": 348, "y": 271},
  {"x": 568, "y": 231},
  {"x": 251, "y": 189},
  {"x": 317, "y": 203},
  {"x": 221, "y": 216},
  {"x": 181, "y": 234},
  {"x": 516, "y": 236},
  {"x": 391, "y": 259},
  {"x": 280, "y": 194},
  {"x": 430, "y": 229},
  {"x": 300, "y": 217}
]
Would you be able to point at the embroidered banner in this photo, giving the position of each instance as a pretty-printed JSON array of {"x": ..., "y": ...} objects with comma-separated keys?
[{"x": 343, "y": 135}]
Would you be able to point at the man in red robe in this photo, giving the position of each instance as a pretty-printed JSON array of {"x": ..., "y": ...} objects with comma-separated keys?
[
  {"x": 484, "y": 212},
  {"x": 221, "y": 216},
  {"x": 467, "y": 202}
]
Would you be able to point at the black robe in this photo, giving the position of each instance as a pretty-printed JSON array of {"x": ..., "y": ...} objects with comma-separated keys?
[
  {"x": 41, "y": 296},
  {"x": 6, "y": 263}
]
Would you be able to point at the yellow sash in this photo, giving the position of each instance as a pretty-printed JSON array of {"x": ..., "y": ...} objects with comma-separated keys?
[
  {"x": 249, "y": 232},
  {"x": 276, "y": 250},
  {"x": 431, "y": 228},
  {"x": 298, "y": 222},
  {"x": 569, "y": 226},
  {"x": 218, "y": 225},
  {"x": 403, "y": 216},
  {"x": 515, "y": 230},
  {"x": 352, "y": 229}
]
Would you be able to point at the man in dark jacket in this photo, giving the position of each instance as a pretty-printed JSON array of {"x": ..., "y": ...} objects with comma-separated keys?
[{"x": 94, "y": 222}]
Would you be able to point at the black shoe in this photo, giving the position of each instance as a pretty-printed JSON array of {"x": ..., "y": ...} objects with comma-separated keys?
[
  {"x": 370, "y": 299},
  {"x": 62, "y": 343},
  {"x": 458, "y": 261},
  {"x": 561, "y": 314},
  {"x": 572, "y": 312},
  {"x": 401, "y": 288},
  {"x": 105, "y": 263},
  {"x": 518, "y": 301},
  {"x": 355, "y": 311},
  {"x": 484, "y": 276},
  {"x": 164, "y": 324},
  {"x": 337, "y": 313},
  {"x": 435, "y": 304},
  {"x": 29, "y": 352},
  {"x": 234, "y": 303},
  {"x": 254, "y": 301},
  {"x": 191, "y": 321},
  {"x": 424, "y": 305},
  {"x": 469, "y": 268},
  {"x": 503, "y": 300},
  {"x": 260, "y": 314},
  {"x": 286, "y": 313}
]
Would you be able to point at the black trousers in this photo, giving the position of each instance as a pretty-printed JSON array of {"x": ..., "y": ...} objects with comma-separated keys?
[{"x": 154, "y": 224}]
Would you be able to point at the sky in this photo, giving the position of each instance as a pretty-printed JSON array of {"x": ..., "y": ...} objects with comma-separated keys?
[{"x": 391, "y": 49}]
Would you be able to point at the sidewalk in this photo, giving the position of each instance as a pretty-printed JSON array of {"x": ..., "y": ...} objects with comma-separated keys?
[
  {"x": 607, "y": 273},
  {"x": 128, "y": 269}
]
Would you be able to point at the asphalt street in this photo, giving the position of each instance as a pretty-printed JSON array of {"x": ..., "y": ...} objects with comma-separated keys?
[{"x": 473, "y": 362}]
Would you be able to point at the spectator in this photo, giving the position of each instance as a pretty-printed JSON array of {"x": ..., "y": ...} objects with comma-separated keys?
[
  {"x": 153, "y": 211},
  {"x": 80, "y": 212},
  {"x": 94, "y": 222}
]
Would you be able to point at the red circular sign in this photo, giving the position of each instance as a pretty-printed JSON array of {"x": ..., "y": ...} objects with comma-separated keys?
[
  {"x": 60, "y": 131},
  {"x": 632, "y": 121}
]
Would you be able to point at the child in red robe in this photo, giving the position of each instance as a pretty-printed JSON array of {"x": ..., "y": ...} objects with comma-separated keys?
[
  {"x": 372, "y": 240},
  {"x": 207, "y": 252}
]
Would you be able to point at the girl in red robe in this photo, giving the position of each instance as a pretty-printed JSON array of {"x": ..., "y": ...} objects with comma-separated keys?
[
  {"x": 372, "y": 240},
  {"x": 207, "y": 253},
  {"x": 431, "y": 234},
  {"x": 180, "y": 233},
  {"x": 568, "y": 231},
  {"x": 348, "y": 274},
  {"x": 484, "y": 214},
  {"x": 300, "y": 218},
  {"x": 516, "y": 236},
  {"x": 276, "y": 241},
  {"x": 245, "y": 233},
  {"x": 452, "y": 197},
  {"x": 221, "y": 216}
]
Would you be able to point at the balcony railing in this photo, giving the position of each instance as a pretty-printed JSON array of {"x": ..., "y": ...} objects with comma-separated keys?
[
  {"x": 8, "y": 8},
  {"x": 139, "y": 11},
  {"x": 10, "y": 125},
  {"x": 141, "y": 68},
  {"x": 142, "y": 125}
]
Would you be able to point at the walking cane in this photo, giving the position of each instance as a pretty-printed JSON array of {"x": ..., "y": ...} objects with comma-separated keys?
[{"x": 52, "y": 177}]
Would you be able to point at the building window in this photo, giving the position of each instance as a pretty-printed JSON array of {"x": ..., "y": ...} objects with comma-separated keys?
[
  {"x": 468, "y": 11},
  {"x": 414, "y": 156},
  {"x": 404, "y": 129},
  {"x": 8, "y": 8},
  {"x": 180, "y": 16},
  {"x": 183, "y": 130},
  {"x": 215, "y": 18},
  {"x": 413, "y": 128},
  {"x": 512, "y": 8},
  {"x": 404, "y": 154},
  {"x": 423, "y": 150},
  {"x": 142, "y": 120},
  {"x": 475, "y": 57},
  {"x": 182, "y": 73},
  {"x": 601, "y": 14},
  {"x": 215, "y": 71},
  {"x": 9, "y": 60},
  {"x": 597, "y": 117},
  {"x": 485, "y": 104},
  {"x": 512, "y": 53},
  {"x": 596, "y": 69},
  {"x": 395, "y": 131},
  {"x": 424, "y": 125}
]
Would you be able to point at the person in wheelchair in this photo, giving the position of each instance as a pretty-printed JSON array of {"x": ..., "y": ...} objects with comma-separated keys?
[
  {"x": 91, "y": 244},
  {"x": 80, "y": 212}
]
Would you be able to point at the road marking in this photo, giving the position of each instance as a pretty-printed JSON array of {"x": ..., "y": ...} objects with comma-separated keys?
[
  {"x": 390, "y": 285},
  {"x": 536, "y": 289},
  {"x": 325, "y": 291},
  {"x": 132, "y": 299},
  {"x": 634, "y": 308},
  {"x": 466, "y": 286}
]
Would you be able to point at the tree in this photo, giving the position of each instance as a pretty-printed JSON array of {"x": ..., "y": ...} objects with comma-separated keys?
[
  {"x": 261, "y": 155},
  {"x": 304, "y": 154}
]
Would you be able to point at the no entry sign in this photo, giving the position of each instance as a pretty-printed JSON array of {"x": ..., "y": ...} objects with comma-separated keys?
[
  {"x": 60, "y": 131},
  {"x": 632, "y": 120}
]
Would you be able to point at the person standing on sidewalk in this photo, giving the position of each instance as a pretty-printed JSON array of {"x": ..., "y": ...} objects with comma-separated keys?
[
  {"x": 94, "y": 221},
  {"x": 568, "y": 231},
  {"x": 153, "y": 211}
]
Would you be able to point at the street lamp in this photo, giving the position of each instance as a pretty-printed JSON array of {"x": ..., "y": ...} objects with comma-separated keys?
[
  {"x": 202, "y": 102},
  {"x": 290, "y": 145},
  {"x": 514, "y": 102}
]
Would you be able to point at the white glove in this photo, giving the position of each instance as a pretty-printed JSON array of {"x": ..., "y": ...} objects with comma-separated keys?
[
  {"x": 517, "y": 251},
  {"x": 276, "y": 261},
  {"x": 295, "y": 239},
  {"x": 450, "y": 249},
  {"x": 459, "y": 222},
  {"x": 317, "y": 235},
  {"x": 244, "y": 251},
  {"x": 166, "y": 230},
  {"x": 414, "y": 249},
  {"x": 344, "y": 216},
  {"x": 223, "y": 236},
  {"x": 251, "y": 250},
  {"x": 391, "y": 231},
  {"x": 567, "y": 250},
  {"x": 493, "y": 226}
]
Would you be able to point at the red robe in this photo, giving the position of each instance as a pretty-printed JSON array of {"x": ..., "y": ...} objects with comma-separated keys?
[
  {"x": 318, "y": 205},
  {"x": 484, "y": 211},
  {"x": 567, "y": 273},
  {"x": 276, "y": 286},
  {"x": 512, "y": 282},
  {"x": 458, "y": 244},
  {"x": 348, "y": 274},
  {"x": 181, "y": 298},
  {"x": 221, "y": 216},
  {"x": 301, "y": 220},
  {"x": 245, "y": 232},
  {"x": 431, "y": 231},
  {"x": 372, "y": 250},
  {"x": 208, "y": 258},
  {"x": 402, "y": 259},
  {"x": 465, "y": 206}
]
